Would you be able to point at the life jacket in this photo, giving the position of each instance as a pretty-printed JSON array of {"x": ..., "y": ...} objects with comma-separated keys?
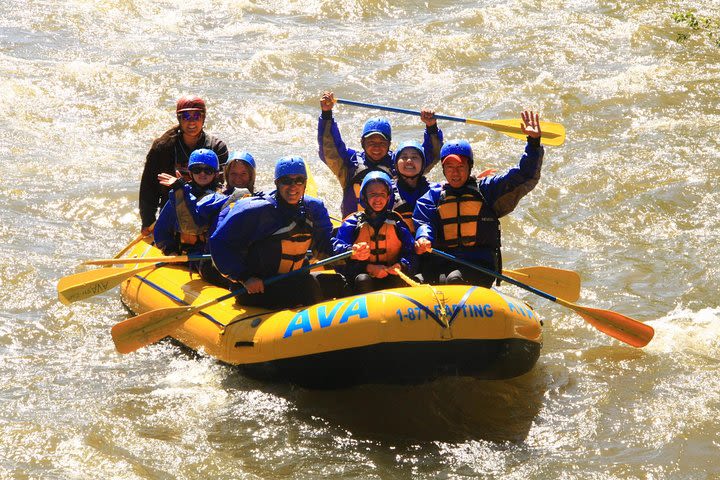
[
  {"x": 295, "y": 240},
  {"x": 237, "y": 194},
  {"x": 385, "y": 243},
  {"x": 189, "y": 232},
  {"x": 405, "y": 210},
  {"x": 364, "y": 168},
  {"x": 467, "y": 219}
]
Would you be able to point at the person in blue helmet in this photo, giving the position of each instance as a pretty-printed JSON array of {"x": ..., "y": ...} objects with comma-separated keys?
[
  {"x": 171, "y": 152},
  {"x": 239, "y": 174},
  {"x": 269, "y": 234},
  {"x": 178, "y": 230},
  {"x": 410, "y": 184},
  {"x": 351, "y": 166},
  {"x": 380, "y": 241},
  {"x": 462, "y": 215}
]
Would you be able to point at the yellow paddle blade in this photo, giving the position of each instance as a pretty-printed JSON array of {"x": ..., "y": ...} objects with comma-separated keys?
[
  {"x": 555, "y": 281},
  {"x": 311, "y": 187},
  {"x": 615, "y": 324},
  {"x": 150, "y": 327},
  {"x": 552, "y": 133},
  {"x": 126, "y": 261},
  {"x": 80, "y": 286}
]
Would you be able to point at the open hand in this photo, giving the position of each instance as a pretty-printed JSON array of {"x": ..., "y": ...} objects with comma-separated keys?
[{"x": 530, "y": 125}]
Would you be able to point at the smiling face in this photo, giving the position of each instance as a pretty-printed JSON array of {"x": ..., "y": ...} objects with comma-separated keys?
[
  {"x": 239, "y": 175},
  {"x": 291, "y": 188},
  {"x": 409, "y": 162},
  {"x": 203, "y": 175},
  {"x": 456, "y": 172},
  {"x": 191, "y": 122},
  {"x": 377, "y": 195},
  {"x": 376, "y": 147}
]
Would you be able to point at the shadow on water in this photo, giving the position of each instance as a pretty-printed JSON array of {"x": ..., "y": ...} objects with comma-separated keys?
[{"x": 452, "y": 409}]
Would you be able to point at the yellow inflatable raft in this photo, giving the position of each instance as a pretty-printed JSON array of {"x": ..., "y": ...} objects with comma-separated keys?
[{"x": 403, "y": 335}]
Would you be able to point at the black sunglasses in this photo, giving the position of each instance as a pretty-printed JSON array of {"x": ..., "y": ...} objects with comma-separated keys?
[
  {"x": 287, "y": 181},
  {"x": 205, "y": 170}
]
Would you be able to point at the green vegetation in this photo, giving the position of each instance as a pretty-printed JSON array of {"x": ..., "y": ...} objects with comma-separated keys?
[{"x": 707, "y": 26}]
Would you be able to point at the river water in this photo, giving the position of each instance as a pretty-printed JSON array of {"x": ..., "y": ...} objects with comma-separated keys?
[{"x": 630, "y": 202}]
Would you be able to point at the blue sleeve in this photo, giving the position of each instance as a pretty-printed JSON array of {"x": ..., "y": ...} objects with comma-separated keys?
[
  {"x": 425, "y": 215},
  {"x": 166, "y": 228},
  {"x": 345, "y": 237},
  {"x": 503, "y": 192},
  {"x": 334, "y": 153},
  {"x": 408, "y": 259},
  {"x": 208, "y": 208},
  {"x": 229, "y": 244},
  {"x": 322, "y": 227},
  {"x": 432, "y": 144}
]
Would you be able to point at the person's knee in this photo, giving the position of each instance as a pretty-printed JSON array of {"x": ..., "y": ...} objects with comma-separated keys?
[
  {"x": 454, "y": 278},
  {"x": 363, "y": 283}
]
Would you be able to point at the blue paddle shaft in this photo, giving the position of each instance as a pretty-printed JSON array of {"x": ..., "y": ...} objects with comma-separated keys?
[{"x": 397, "y": 110}]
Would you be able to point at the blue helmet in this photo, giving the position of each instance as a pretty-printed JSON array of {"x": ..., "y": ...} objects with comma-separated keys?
[
  {"x": 377, "y": 176},
  {"x": 457, "y": 147},
  {"x": 379, "y": 125},
  {"x": 291, "y": 165},
  {"x": 204, "y": 156},
  {"x": 243, "y": 157},
  {"x": 410, "y": 144}
]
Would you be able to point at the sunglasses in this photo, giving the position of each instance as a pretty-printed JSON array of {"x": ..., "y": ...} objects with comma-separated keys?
[
  {"x": 287, "y": 181},
  {"x": 205, "y": 170},
  {"x": 191, "y": 116}
]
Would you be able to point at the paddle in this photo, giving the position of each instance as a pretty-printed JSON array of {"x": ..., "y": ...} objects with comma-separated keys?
[
  {"x": 616, "y": 325},
  {"x": 552, "y": 133},
  {"x": 80, "y": 286},
  {"x": 149, "y": 327},
  {"x": 311, "y": 186},
  {"x": 311, "y": 190},
  {"x": 555, "y": 281},
  {"x": 170, "y": 259},
  {"x": 133, "y": 242}
]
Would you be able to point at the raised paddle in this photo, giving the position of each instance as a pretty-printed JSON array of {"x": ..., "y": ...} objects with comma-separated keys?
[
  {"x": 311, "y": 189},
  {"x": 616, "y": 325},
  {"x": 310, "y": 186},
  {"x": 80, "y": 286},
  {"x": 169, "y": 259},
  {"x": 552, "y": 133},
  {"x": 149, "y": 327},
  {"x": 134, "y": 242}
]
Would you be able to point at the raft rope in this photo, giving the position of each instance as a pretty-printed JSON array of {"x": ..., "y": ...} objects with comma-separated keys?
[{"x": 440, "y": 301}]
